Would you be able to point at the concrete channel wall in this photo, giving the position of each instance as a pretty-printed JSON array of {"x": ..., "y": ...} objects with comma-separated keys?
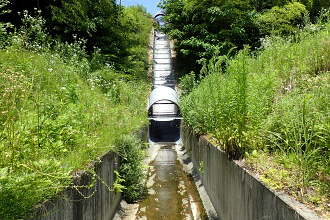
[
  {"x": 234, "y": 192},
  {"x": 84, "y": 203}
]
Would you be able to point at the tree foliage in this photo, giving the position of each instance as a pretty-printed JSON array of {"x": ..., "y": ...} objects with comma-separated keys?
[
  {"x": 96, "y": 21},
  {"x": 206, "y": 28},
  {"x": 4, "y": 25},
  {"x": 282, "y": 20},
  {"x": 202, "y": 29},
  {"x": 108, "y": 30},
  {"x": 315, "y": 6}
]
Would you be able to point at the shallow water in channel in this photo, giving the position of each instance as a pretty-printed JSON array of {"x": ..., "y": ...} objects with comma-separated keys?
[{"x": 170, "y": 193}]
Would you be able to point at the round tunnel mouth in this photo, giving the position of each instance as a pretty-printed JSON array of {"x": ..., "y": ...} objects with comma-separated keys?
[{"x": 164, "y": 116}]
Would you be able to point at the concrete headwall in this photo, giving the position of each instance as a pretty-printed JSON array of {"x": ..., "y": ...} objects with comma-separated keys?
[
  {"x": 81, "y": 202},
  {"x": 234, "y": 192}
]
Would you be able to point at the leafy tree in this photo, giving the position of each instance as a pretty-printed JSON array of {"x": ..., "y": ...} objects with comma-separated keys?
[
  {"x": 282, "y": 20},
  {"x": 206, "y": 28},
  {"x": 106, "y": 26},
  {"x": 261, "y": 5},
  {"x": 314, "y": 6},
  {"x": 111, "y": 34},
  {"x": 4, "y": 26},
  {"x": 96, "y": 21}
]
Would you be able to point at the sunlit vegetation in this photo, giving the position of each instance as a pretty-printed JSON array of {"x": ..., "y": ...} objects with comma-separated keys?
[
  {"x": 258, "y": 84},
  {"x": 207, "y": 28},
  {"x": 63, "y": 105}
]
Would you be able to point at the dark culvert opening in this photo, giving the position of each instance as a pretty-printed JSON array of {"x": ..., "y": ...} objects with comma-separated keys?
[{"x": 165, "y": 131}]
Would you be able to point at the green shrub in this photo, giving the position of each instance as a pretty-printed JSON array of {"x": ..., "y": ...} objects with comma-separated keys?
[
  {"x": 282, "y": 20},
  {"x": 187, "y": 83},
  {"x": 131, "y": 150}
]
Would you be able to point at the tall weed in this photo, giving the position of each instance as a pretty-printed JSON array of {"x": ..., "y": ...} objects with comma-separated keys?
[
  {"x": 275, "y": 98},
  {"x": 294, "y": 132},
  {"x": 220, "y": 104},
  {"x": 33, "y": 34},
  {"x": 55, "y": 117}
]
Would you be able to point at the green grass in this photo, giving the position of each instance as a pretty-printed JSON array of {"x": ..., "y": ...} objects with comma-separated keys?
[
  {"x": 53, "y": 122},
  {"x": 59, "y": 111},
  {"x": 275, "y": 99}
]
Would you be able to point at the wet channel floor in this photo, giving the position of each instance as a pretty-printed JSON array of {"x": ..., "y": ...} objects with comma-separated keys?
[{"x": 171, "y": 192}]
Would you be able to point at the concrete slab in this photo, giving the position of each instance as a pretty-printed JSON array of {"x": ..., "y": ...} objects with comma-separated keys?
[
  {"x": 161, "y": 43},
  {"x": 162, "y": 56},
  {"x": 162, "y": 50},
  {"x": 163, "y": 61},
  {"x": 163, "y": 73},
  {"x": 162, "y": 67}
]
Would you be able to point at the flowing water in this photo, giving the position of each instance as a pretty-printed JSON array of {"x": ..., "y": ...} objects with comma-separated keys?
[{"x": 170, "y": 191}]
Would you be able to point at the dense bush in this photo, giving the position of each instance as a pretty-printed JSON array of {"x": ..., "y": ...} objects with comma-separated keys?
[
  {"x": 282, "y": 20},
  {"x": 131, "y": 150},
  {"x": 202, "y": 29}
]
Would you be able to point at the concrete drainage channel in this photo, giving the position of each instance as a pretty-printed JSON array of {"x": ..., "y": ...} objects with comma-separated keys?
[
  {"x": 170, "y": 191},
  {"x": 167, "y": 191}
]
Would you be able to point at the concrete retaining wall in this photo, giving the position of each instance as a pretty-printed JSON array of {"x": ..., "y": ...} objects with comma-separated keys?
[
  {"x": 80, "y": 203},
  {"x": 235, "y": 193}
]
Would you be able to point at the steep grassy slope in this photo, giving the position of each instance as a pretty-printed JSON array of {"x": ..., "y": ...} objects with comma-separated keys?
[
  {"x": 272, "y": 102},
  {"x": 60, "y": 108}
]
